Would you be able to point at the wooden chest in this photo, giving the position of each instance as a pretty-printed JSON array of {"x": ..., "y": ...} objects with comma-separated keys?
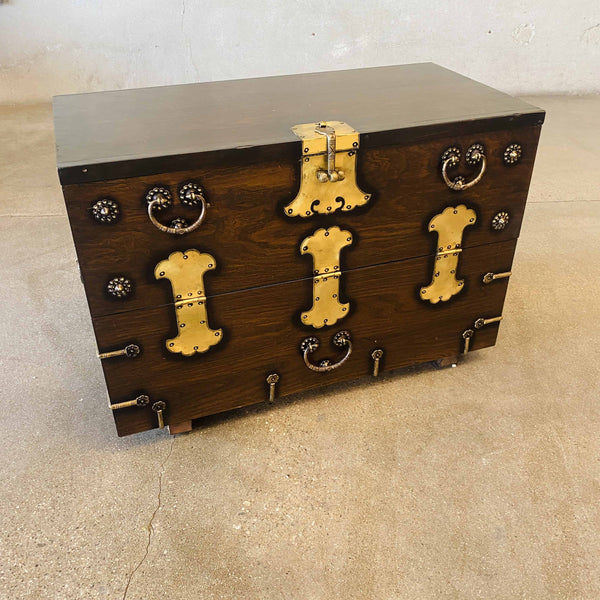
[{"x": 244, "y": 240}]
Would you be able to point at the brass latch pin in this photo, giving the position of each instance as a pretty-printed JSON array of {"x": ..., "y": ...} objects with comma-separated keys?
[
  {"x": 479, "y": 323},
  {"x": 130, "y": 351},
  {"x": 489, "y": 277},
  {"x": 158, "y": 408},
  {"x": 467, "y": 335},
  {"x": 272, "y": 380},
  {"x": 332, "y": 174},
  {"x": 142, "y": 400},
  {"x": 376, "y": 356}
]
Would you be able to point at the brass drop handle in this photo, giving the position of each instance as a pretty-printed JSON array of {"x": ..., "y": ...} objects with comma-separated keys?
[
  {"x": 311, "y": 344},
  {"x": 451, "y": 157},
  {"x": 190, "y": 194}
]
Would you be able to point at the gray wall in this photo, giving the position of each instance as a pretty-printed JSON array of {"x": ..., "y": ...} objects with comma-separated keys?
[{"x": 64, "y": 46}]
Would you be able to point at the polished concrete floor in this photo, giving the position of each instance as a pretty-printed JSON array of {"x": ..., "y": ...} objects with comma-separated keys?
[{"x": 481, "y": 481}]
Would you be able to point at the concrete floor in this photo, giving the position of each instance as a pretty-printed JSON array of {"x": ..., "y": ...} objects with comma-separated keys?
[{"x": 476, "y": 482}]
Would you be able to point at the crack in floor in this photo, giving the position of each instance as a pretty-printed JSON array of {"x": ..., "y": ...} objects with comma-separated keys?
[{"x": 149, "y": 526}]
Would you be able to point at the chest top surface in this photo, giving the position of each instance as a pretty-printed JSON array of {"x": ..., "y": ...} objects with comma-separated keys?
[{"x": 106, "y": 135}]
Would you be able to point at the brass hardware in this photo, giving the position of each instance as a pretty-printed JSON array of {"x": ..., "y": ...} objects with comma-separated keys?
[
  {"x": 500, "y": 220},
  {"x": 449, "y": 226},
  {"x": 311, "y": 344},
  {"x": 272, "y": 380},
  {"x": 130, "y": 351},
  {"x": 451, "y": 157},
  {"x": 190, "y": 194},
  {"x": 467, "y": 335},
  {"x": 119, "y": 287},
  {"x": 142, "y": 400},
  {"x": 512, "y": 154},
  {"x": 106, "y": 211},
  {"x": 158, "y": 408},
  {"x": 328, "y": 179},
  {"x": 489, "y": 277},
  {"x": 185, "y": 271},
  {"x": 376, "y": 356},
  {"x": 479, "y": 323},
  {"x": 325, "y": 246}
]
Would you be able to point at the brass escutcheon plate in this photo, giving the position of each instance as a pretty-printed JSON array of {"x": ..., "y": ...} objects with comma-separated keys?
[
  {"x": 185, "y": 271},
  {"x": 319, "y": 152}
]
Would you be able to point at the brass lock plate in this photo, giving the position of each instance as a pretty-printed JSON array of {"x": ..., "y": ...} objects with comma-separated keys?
[
  {"x": 449, "y": 226},
  {"x": 185, "y": 271},
  {"x": 328, "y": 178}
]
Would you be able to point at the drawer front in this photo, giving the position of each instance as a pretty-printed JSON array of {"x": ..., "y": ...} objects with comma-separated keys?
[
  {"x": 262, "y": 332},
  {"x": 255, "y": 244}
]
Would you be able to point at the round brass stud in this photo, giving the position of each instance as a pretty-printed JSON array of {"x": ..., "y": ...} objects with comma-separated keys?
[
  {"x": 512, "y": 154},
  {"x": 191, "y": 194},
  {"x": 119, "y": 287},
  {"x": 106, "y": 211},
  {"x": 162, "y": 197},
  {"x": 500, "y": 220}
]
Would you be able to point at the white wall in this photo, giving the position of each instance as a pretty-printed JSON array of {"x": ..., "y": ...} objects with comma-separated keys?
[{"x": 519, "y": 46}]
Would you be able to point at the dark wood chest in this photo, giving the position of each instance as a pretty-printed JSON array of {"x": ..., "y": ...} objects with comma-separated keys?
[{"x": 244, "y": 240}]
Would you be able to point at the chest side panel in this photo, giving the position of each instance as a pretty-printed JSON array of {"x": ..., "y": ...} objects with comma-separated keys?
[{"x": 255, "y": 244}]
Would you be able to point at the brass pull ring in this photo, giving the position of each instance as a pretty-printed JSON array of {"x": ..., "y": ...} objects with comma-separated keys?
[
  {"x": 190, "y": 194},
  {"x": 311, "y": 344},
  {"x": 451, "y": 157}
]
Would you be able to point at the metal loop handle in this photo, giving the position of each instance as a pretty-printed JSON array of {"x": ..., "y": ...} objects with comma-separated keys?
[
  {"x": 475, "y": 154},
  {"x": 311, "y": 344},
  {"x": 190, "y": 194}
]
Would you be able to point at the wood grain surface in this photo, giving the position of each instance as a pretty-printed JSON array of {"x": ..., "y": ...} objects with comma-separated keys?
[
  {"x": 262, "y": 333},
  {"x": 256, "y": 245},
  {"x": 128, "y": 133}
]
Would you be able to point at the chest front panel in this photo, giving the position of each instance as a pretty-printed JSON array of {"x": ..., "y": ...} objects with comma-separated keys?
[{"x": 253, "y": 241}]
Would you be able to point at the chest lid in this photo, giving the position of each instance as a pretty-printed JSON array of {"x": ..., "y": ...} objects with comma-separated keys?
[{"x": 130, "y": 133}]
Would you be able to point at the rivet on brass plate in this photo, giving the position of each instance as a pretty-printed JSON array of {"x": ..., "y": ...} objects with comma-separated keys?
[
  {"x": 311, "y": 344},
  {"x": 185, "y": 271},
  {"x": 325, "y": 246},
  {"x": 475, "y": 155},
  {"x": 142, "y": 400},
  {"x": 489, "y": 277},
  {"x": 159, "y": 407},
  {"x": 328, "y": 170},
  {"x": 449, "y": 226},
  {"x": 272, "y": 380},
  {"x": 376, "y": 356},
  {"x": 130, "y": 351}
]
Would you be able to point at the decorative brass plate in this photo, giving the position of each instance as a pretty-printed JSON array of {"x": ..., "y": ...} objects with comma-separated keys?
[
  {"x": 185, "y": 271},
  {"x": 325, "y": 246},
  {"x": 328, "y": 180},
  {"x": 449, "y": 226}
]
